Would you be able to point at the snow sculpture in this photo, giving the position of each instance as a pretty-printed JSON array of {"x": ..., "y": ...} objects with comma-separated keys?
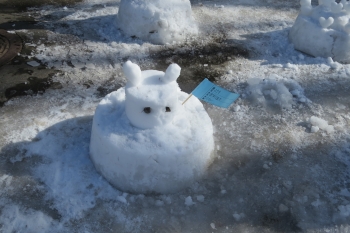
[
  {"x": 323, "y": 31},
  {"x": 144, "y": 140},
  {"x": 157, "y": 21}
]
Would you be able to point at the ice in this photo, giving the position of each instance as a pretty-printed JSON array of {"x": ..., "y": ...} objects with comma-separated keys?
[
  {"x": 33, "y": 63},
  {"x": 329, "y": 21},
  {"x": 332, "y": 64},
  {"x": 122, "y": 199},
  {"x": 157, "y": 21},
  {"x": 315, "y": 121}
]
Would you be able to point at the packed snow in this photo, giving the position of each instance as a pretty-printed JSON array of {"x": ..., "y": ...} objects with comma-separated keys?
[
  {"x": 151, "y": 97},
  {"x": 275, "y": 90},
  {"x": 157, "y": 21},
  {"x": 271, "y": 173},
  {"x": 323, "y": 30},
  {"x": 144, "y": 140},
  {"x": 318, "y": 123}
]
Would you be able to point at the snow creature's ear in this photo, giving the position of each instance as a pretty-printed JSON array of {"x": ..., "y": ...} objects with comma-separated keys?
[
  {"x": 132, "y": 72},
  {"x": 172, "y": 73}
]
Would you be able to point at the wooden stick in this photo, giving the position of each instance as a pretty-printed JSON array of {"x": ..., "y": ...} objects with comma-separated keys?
[{"x": 187, "y": 99}]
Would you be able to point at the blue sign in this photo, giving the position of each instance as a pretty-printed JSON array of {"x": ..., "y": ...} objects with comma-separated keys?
[{"x": 214, "y": 94}]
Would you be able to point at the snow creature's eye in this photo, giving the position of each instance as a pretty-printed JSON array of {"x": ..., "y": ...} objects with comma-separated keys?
[
  {"x": 167, "y": 109},
  {"x": 147, "y": 110}
]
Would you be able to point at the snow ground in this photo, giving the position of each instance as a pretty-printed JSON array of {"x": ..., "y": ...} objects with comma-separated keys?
[{"x": 271, "y": 173}]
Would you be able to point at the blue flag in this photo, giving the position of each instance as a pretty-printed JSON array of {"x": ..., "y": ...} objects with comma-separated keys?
[{"x": 214, "y": 94}]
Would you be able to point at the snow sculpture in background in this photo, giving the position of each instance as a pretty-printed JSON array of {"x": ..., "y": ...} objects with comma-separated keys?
[
  {"x": 323, "y": 31},
  {"x": 157, "y": 21},
  {"x": 144, "y": 140}
]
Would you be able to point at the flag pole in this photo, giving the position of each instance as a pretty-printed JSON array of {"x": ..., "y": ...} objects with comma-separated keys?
[{"x": 187, "y": 98}]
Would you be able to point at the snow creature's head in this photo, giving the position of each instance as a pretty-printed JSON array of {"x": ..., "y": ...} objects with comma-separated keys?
[{"x": 151, "y": 96}]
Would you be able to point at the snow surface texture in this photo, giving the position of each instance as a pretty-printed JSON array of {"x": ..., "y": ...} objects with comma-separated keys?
[
  {"x": 275, "y": 90},
  {"x": 170, "y": 147},
  {"x": 270, "y": 173},
  {"x": 157, "y": 21},
  {"x": 323, "y": 31}
]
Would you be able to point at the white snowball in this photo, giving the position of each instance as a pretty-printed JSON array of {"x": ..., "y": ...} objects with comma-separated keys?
[
  {"x": 188, "y": 201},
  {"x": 200, "y": 198},
  {"x": 318, "y": 123},
  {"x": 236, "y": 108},
  {"x": 314, "y": 129},
  {"x": 329, "y": 129},
  {"x": 323, "y": 31},
  {"x": 157, "y": 21},
  {"x": 315, "y": 121}
]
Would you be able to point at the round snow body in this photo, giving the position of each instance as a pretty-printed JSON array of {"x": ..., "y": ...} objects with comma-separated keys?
[
  {"x": 323, "y": 31},
  {"x": 157, "y": 21},
  {"x": 162, "y": 159}
]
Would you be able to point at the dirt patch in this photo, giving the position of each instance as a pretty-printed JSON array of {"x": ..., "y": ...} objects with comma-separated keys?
[
  {"x": 34, "y": 85},
  {"x": 22, "y": 5},
  {"x": 199, "y": 61}
]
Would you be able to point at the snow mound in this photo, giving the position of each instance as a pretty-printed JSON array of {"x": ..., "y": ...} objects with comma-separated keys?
[
  {"x": 318, "y": 123},
  {"x": 162, "y": 159},
  {"x": 275, "y": 91},
  {"x": 323, "y": 31},
  {"x": 144, "y": 140},
  {"x": 157, "y": 21}
]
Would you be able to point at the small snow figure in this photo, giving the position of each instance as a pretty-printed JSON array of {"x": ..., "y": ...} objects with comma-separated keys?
[
  {"x": 157, "y": 21},
  {"x": 144, "y": 140},
  {"x": 151, "y": 100},
  {"x": 323, "y": 31}
]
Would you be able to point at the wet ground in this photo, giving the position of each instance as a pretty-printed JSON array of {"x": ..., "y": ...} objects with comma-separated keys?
[{"x": 22, "y": 74}]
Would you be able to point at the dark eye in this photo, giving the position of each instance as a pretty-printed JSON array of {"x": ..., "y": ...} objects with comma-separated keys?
[
  {"x": 167, "y": 109},
  {"x": 147, "y": 110}
]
